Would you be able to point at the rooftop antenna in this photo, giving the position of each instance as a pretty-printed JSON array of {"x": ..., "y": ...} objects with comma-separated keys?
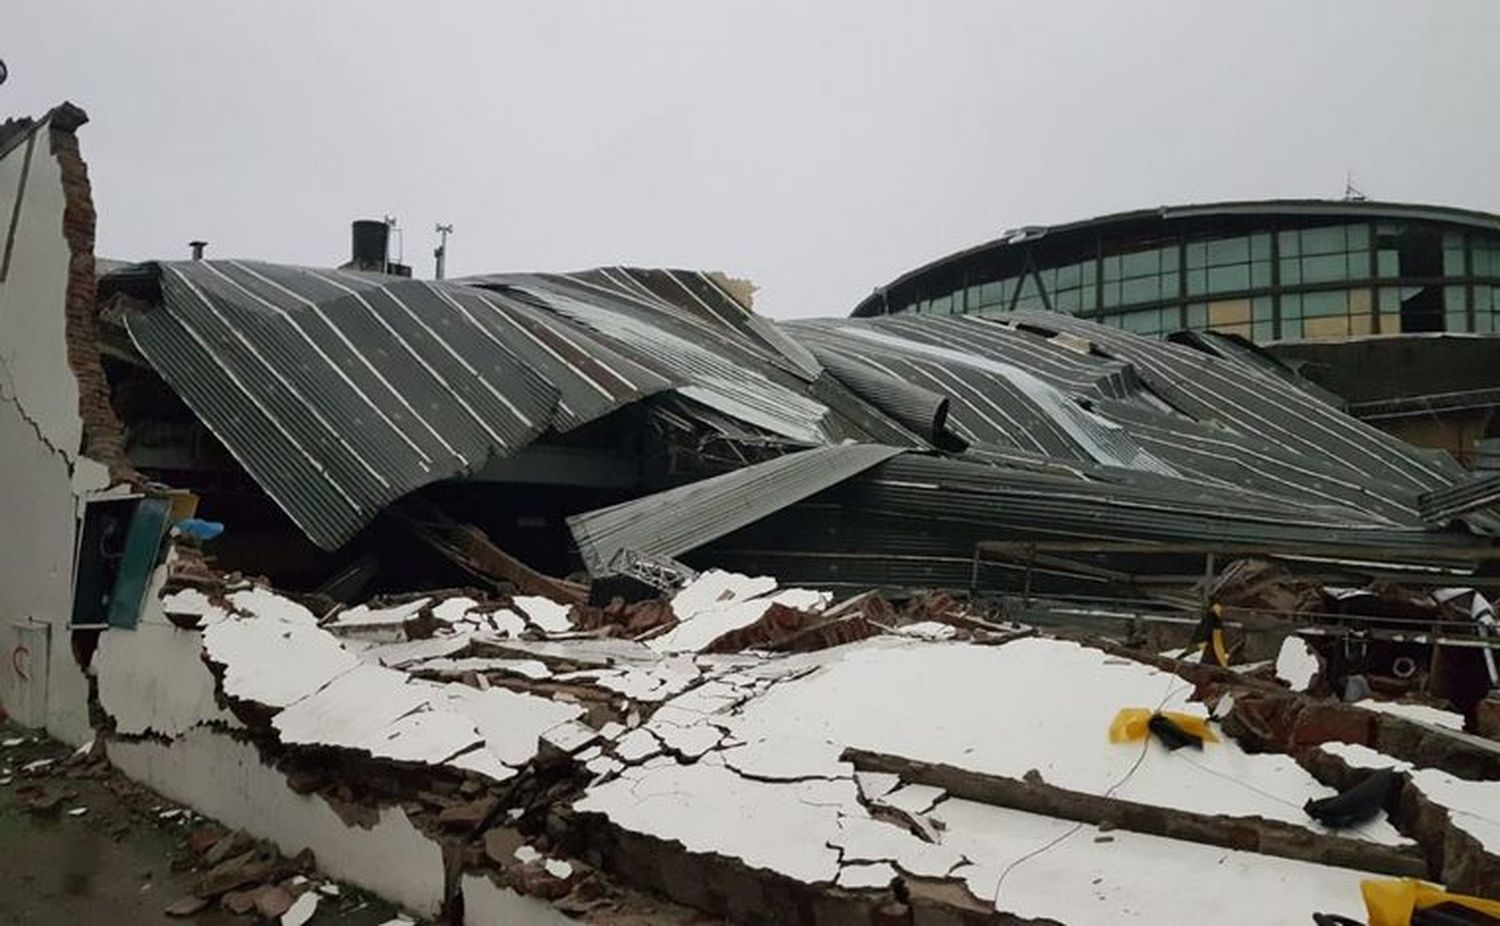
[
  {"x": 441, "y": 253},
  {"x": 1352, "y": 193},
  {"x": 390, "y": 222}
]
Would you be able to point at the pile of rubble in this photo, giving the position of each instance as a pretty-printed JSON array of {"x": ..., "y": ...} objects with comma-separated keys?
[{"x": 767, "y": 755}]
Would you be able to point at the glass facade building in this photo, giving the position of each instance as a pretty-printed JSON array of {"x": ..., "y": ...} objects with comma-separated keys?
[{"x": 1270, "y": 271}]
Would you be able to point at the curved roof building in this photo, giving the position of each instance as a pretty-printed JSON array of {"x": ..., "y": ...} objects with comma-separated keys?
[{"x": 1271, "y": 271}]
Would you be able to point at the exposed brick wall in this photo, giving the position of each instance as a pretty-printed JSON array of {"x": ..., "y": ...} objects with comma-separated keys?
[{"x": 103, "y": 436}]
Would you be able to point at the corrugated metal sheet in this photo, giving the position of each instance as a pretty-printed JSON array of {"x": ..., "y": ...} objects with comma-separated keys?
[
  {"x": 687, "y": 517},
  {"x": 1443, "y": 505},
  {"x": 340, "y": 392},
  {"x": 923, "y": 411}
]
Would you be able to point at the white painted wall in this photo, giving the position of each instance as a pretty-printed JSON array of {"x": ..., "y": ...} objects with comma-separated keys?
[
  {"x": 225, "y": 779},
  {"x": 42, "y": 475},
  {"x": 152, "y": 679}
]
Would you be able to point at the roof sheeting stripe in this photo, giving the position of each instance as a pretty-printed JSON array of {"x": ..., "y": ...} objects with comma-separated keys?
[
  {"x": 341, "y": 392},
  {"x": 678, "y": 520}
]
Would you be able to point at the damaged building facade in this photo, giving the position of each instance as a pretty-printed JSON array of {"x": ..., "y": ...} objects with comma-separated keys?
[{"x": 597, "y": 597}]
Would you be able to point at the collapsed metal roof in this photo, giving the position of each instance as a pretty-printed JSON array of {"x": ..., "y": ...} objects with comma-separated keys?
[{"x": 341, "y": 392}]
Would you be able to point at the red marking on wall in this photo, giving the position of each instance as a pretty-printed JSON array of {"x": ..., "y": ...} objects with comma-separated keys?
[{"x": 20, "y": 661}]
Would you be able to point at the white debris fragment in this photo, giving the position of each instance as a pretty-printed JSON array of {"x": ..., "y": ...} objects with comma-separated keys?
[
  {"x": 171, "y": 814},
  {"x": 1297, "y": 664},
  {"x": 262, "y": 602},
  {"x": 854, "y": 877},
  {"x": 717, "y": 587},
  {"x": 548, "y": 616},
  {"x": 600, "y": 766},
  {"x": 301, "y": 911},
  {"x": 329, "y": 888},
  {"x": 914, "y": 799},
  {"x": 637, "y": 745},
  {"x": 928, "y": 630},
  {"x": 352, "y": 710},
  {"x": 558, "y": 869},
  {"x": 193, "y": 608},
  {"x": 525, "y": 668},
  {"x": 426, "y": 736},
  {"x": 453, "y": 610},
  {"x": 402, "y": 655},
  {"x": 483, "y": 762},
  {"x": 526, "y": 855},
  {"x": 875, "y": 785},
  {"x": 611, "y": 730},
  {"x": 5, "y": 780},
  {"x": 273, "y": 662},
  {"x": 1422, "y": 712},
  {"x": 863, "y": 839},
  {"x": 366, "y": 616},
  {"x": 13, "y": 742},
  {"x": 506, "y": 622},
  {"x": 712, "y": 809},
  {"x": 936, "y": 704},
  {"x": 571, "y": 736},
  {"x": 709, "y": 621},
  {"x": 37, "y": 766},
  {"x": 78, "y": 811},
  {"x": 691, "y": 741}
]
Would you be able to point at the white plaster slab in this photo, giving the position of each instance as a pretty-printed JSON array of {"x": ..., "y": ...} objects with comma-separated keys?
[
  {"x": 275, "y": 662},
  {"x": 914, "y": 799},
  {"x": 525, "y": 668},
  {"x": 366, "y": 616},
  {"x": 352, "y": 710},
  {"x": 452, "y": 610},
  {"x": 928, "y": 630},
  {"x": 400, "y": 655},
  {"x": 427, "y": 737},
  {"x": 511, "y": 723},
  {"x": 1028, "y": 704},
  {"x": 861, "y": 876},
  {"x": 710, "y": 808},
  {"x": 483, "y": 762},
  {"x": 1422, "y": 712},
  {"x": 1297, "y": 663},
  {"x": 192, "y": 605},
  {"x": 262, "y": 602},
  {"x": 547, "y": 615},
  {"x": 863, "y": 839},
  {"x": 1089, "y": 877}
]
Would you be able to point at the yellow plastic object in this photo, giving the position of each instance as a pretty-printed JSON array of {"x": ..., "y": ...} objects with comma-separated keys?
[
  {"x": 1215, "y": 647},
  {"x": 1391, "y": 903},
  {"x": 1130, "y": 725}
]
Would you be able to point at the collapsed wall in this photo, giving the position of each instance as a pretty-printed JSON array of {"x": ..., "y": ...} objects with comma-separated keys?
[{"x": 56, "y": 425}]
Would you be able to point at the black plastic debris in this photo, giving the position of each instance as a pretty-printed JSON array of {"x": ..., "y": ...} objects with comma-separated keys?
[{"x": 1358, "y": 804}]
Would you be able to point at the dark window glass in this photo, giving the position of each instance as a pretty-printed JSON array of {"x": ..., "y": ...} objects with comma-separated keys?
[
  {"x": 1145, "y": 289},
  {"x": 1288, "y": 242},
  {"x": 1328, "y": 268},
  {"x": 1229, "y": 279},
  {"x": 1323, "y": 240},
  {"x": 1335, "y": 302},
  {"x": 1228, "y": 251}
]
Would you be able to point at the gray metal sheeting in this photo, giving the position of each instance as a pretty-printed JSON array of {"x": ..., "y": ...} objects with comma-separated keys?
[
  {"x": 341, "y": 392},
  {"x": 678, "y": 520}
]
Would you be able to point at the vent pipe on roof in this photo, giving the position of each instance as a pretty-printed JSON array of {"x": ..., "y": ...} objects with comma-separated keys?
[
  {"x": 197, "y": 247},
  {"x": 369, "y": 240}
]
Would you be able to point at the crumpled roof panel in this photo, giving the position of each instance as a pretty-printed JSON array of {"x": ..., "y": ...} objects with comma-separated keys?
[{"x": 340, "y": 392}]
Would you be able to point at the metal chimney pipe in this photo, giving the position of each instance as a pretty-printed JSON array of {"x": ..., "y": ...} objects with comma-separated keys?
[
  {"x": 369, "y": 240},
  {"x": 197, "y": 247}
]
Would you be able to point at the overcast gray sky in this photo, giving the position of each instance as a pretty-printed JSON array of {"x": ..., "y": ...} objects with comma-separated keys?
[{"x": 818, "y": 148}]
